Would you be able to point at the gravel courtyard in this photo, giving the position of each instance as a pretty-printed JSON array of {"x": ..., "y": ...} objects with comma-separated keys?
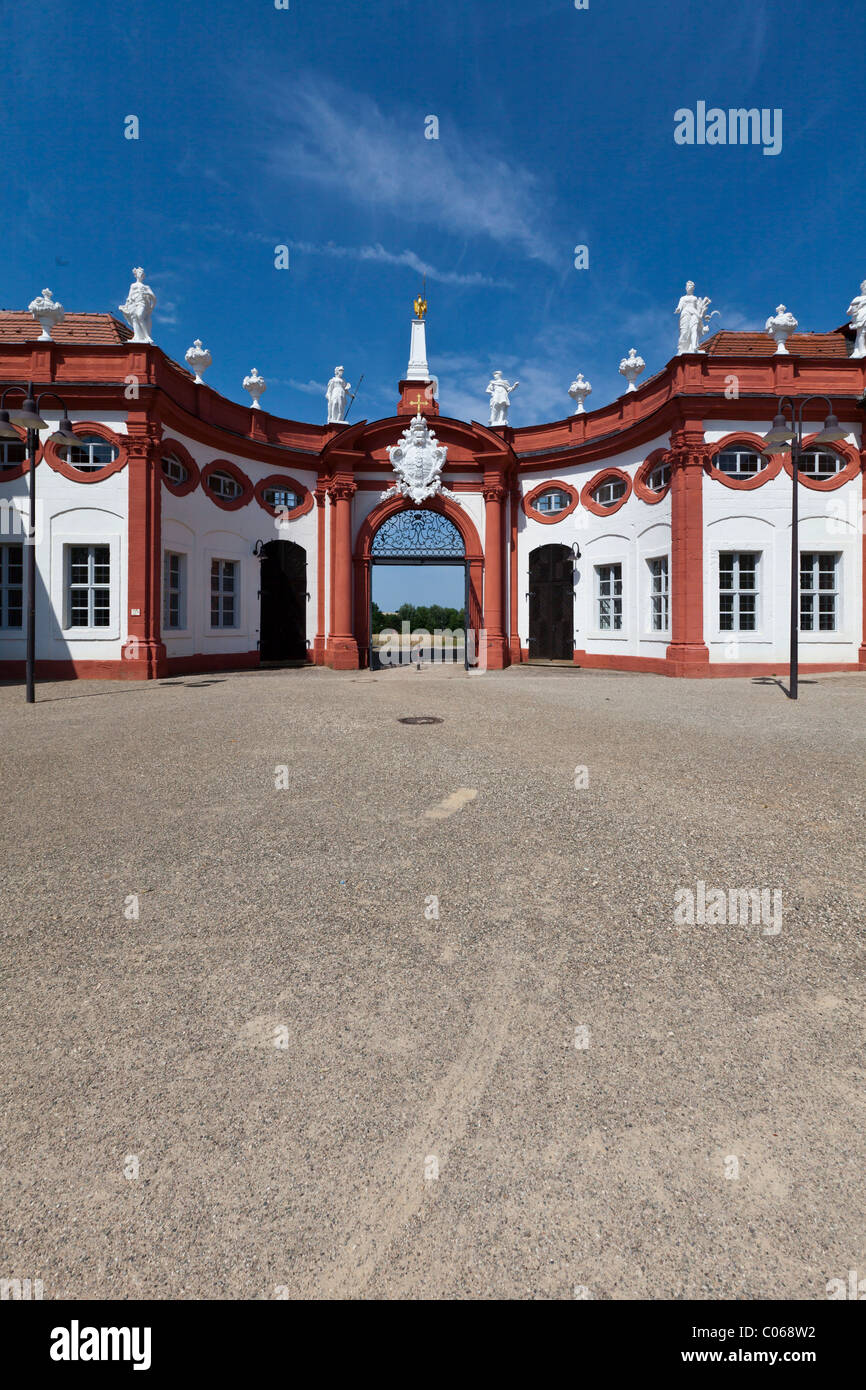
[{"x": 287, "y": 1045}]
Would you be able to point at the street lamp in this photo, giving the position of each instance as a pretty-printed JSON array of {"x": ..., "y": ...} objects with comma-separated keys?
[
  {"x": 29, "y": 419},
  {"x": 785, "y": 436}
]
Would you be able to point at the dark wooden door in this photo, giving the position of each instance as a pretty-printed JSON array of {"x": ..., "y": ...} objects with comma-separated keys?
[
  {"x": 283, "y": 633},
  {"x": 551, "y": 603}
]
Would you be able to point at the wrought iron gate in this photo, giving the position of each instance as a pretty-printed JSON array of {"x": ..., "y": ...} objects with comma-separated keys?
[{"x": 419, "y": 537}]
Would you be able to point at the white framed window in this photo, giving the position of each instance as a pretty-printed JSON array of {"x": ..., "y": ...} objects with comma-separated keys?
[
  {"x": 608, "y": 592},
  {"x": 738, "y": 590},
  {"x": 739, "y": 463},
  {"x": 12, "y": 453},
  {"x": 609, "y": 492},
  {"x": 819, "y": 590},
  {"x": 173, "y": 590},
  {"x": 224, "y": 593},
  {"x": 820, "y": 463},
  {"x": 11, "y": 586},
  {"x": 92, "y": 453},
  {"x": 659, "y": 593},
  {"x": 224, "y": 485},
  {"x": 173, "y": 469},
  {"x": 88, "y": 586},
  {"x": 659, "y": 478},
  {"x": 552, "y": 502},
  {"x": 281, "y": 498}
]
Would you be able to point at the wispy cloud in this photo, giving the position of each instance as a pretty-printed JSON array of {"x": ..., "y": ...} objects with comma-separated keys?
[
  {"x": 344, "y": 143},
  {"x": 374, "y": 252}
]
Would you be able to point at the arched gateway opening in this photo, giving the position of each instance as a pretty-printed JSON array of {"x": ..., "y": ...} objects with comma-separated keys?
[{"x": 434, "y": 534}]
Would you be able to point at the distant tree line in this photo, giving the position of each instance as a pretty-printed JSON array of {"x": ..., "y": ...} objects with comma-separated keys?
[{"x": 427, "y": 616}]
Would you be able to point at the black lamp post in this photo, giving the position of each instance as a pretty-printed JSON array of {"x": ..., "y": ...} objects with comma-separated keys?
[
  {"x": 786, "y": 436},
  {"x": 28, "y": 418}
]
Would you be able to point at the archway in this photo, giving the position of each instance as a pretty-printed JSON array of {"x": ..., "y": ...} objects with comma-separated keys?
[
  {"x": 283, "y": 623},
  {"x": 551, "y": 603},
  {"x": 436, "y": 533}
]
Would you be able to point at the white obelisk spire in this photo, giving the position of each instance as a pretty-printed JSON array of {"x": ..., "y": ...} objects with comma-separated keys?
[{"x": 418, "y": 369}]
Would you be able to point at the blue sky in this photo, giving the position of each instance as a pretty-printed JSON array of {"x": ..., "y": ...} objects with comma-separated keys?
[{"x": 261, "y": 127}]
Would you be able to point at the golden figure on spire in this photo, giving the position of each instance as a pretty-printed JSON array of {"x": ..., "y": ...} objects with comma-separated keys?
[{"x": 421, "y": 302}]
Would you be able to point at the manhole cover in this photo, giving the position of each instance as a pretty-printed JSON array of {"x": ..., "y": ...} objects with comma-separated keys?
[{"x": 420, "y": 719}]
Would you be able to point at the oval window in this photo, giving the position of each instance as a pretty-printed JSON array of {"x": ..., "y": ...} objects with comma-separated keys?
[
  {"x": 224, "y": 485},
  {"x": 173, "y": 470},
  {"x": 90, "y": 455},
  {"x": 659, "y": 478},
  {"x": 740, "y": 463},
  {"x": 606, "y": 494},
  {"x": 820, "y": 463},
  {"x": 281, "y": 498}
]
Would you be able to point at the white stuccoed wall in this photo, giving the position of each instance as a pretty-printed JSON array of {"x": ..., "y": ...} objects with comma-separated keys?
[
  {"x": 195, "y": 526},
  {"x": 69, "y": 512}
]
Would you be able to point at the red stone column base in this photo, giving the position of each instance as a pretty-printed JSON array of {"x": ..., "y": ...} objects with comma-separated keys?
[
  {"x": 687, "y": 658},
  {"x": 861, "y": 656},
  {"x": 514, "y": 651},
  {"x": 342, "y": 654},
  {"x": 143, "y": 660},
  {"x": 496, "y": 653},
  {"x": 319, "y": 651}
]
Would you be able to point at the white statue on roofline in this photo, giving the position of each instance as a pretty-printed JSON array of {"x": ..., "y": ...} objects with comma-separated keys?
[
  {"x": 139, "y": 307},
  {"x": 499, "y": 390},
  {"x": 857, "y": 315}
]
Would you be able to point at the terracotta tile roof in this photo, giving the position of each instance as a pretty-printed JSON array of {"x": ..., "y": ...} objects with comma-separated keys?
[
  {"x": 18, "y": 326},
  {"x": 724, "y": 344}
]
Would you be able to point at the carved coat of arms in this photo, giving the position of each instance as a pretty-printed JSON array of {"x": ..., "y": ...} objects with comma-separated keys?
[{"x": 418, "y": 461}]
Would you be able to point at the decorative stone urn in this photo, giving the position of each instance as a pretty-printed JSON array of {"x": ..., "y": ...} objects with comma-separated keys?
[
  {"x": 256, "y": 385},
  {"x": 780, "y": 326},
  {"x": 631, "y": 367},
  {"x": 579, "y": 390},
  {"x": 48, "y": 312},
  {"x": 198, "y": 359}
]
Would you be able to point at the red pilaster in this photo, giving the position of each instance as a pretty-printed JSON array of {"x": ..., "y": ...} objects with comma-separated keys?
[
  {"x": 320, "y": 641},
  {"x": 514, "y": 635},
  {"x": 496, "y": 651},
  {"x": 144, "y": 655},
  {"x": 342, "y": 653},
  {"x": 862, "y": 653},
  {"x": 687, "y": 652}
]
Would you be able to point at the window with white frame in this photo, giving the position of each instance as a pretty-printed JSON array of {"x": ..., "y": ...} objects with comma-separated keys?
[
  {"x": 659, "y": 593},
  {"x": 173, "y": 590},
  {"x": 609, "y": 492},
  {"x": 738, "y": 590},
  {"x": 552, "y": 502},
  {"x": 820, "y": 463},
  {"x": 608, "y": 589},
  {"x": 11, "y": 585},
  {"x": 659, "y": 477},
  {"x": 224, "y": 485},
  {"x": 172, "y": 469},
  {"x": 90, "y": 454},
  {"x": 12, "y": 453},
  {"x": 739, "y": 463},
  {"x": 88, "y": 586},
  {"x": 281, "y": 498},
  {"x": 223, "y": 593},
  {"x": 819, "y": 590}
]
